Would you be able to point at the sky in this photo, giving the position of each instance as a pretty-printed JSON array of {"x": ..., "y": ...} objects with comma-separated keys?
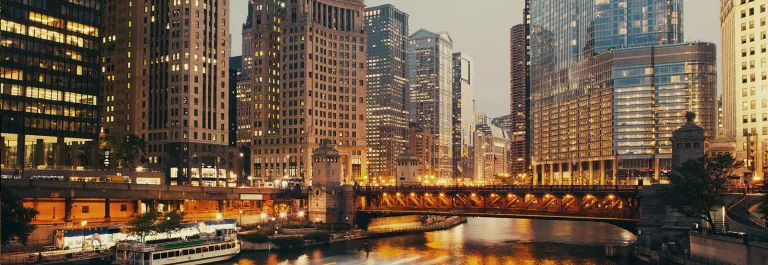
[{"x": 480, "y": 28}]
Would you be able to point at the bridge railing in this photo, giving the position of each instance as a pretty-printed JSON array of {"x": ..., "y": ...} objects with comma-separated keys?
[
  {"x": 501, "y": 188},
  {"x": 58, "y": 184}
]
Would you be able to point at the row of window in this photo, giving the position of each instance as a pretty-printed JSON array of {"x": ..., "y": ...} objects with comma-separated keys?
[{"x": 191, "y": 251}]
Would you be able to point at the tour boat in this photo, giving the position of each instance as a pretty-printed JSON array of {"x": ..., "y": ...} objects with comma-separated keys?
[{"x": 206, "y": 249}]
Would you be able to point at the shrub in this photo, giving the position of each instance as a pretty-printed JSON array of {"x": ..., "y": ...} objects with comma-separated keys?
[
  {"x": 295, "y": 225},
  {"x": 288, "y": 242},
  {"x": 322, "y": 237},
  {"x": 256, "y": 238}
]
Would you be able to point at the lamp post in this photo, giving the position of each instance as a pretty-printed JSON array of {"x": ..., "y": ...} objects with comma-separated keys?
[
  {"x": 263, "y": 216},
  {"x": 83, "y": 223},
  {"x": 240, "y": 218}
]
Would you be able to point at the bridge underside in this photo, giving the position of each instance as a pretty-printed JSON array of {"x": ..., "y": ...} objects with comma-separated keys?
[{"x": 626, "y": 224}]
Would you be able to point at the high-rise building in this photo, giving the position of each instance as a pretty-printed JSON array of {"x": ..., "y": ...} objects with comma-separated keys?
[
  {"x": 323, "y": 88},
  {"x": 430, "y": 97},
  {"x": 49, "y": 82},
  {"x": 604, "y": 102},
  {"x": 420, "y": 143},
  {"x": 258, "y": 89},
  {"x": 165, "y": 73},
  {"x": 491, "y": 153},
  {"x": 519, "y": 107},
  {"x": 745, "y": 82},
  {"x": 388, "y": 75},
  {"x": 463, "y": 114}
]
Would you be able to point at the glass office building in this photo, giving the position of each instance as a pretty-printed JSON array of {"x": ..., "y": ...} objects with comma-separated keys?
[
  {"x": 610, "y": 81},
  {"x": 49, "y": 82}
]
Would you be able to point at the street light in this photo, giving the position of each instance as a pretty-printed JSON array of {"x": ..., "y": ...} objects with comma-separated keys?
[
  {"x": 301, "y": 213},
  {"x": 263, "y": 216},
  {"x": 219, "y": 216},
  {"x": 83, "y": 223},
  {"x": 240, "y": 221}
]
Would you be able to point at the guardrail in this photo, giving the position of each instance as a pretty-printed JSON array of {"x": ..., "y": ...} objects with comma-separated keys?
[
  {"x": 531, "y": 188},
  {"x": 52, "y": 255},
  {"x": 743, "y": 216}
]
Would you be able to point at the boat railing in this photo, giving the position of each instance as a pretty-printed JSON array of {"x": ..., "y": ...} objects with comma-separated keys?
[{"x": 143, "y": 247}]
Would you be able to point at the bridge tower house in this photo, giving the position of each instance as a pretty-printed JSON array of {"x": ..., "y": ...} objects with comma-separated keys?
[
  {"x": 407, "y": 168},
  {"x": 330, "y": 199}
]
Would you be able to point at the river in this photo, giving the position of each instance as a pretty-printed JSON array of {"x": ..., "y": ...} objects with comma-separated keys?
[{"x": 479, "y": 241}]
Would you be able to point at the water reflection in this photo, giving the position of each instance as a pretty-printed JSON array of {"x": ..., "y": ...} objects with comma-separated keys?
[{"x": 480, "y": 241}]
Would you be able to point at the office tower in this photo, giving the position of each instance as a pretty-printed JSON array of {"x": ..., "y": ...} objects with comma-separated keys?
[
  {"x": 49, "y": 82},
  {"x": 463, "y": 114},
  {"x": 430, "y": 97},
  {"x": 519, "y": 107},
  {"x": 503, "y": 122},
  {"x": 258, "y": 119},
  {"x": 323, "y": 88},
  {"x": 235, "y": 71},
  {"x": 605, "y": 101},
  {"x": 387, "y": 29},
  {"x": 745, "y": 84},
  {"x": 491, "y": 153},
  {"x": 420, "y": 143},
  {"x": 165, "y": 71}
]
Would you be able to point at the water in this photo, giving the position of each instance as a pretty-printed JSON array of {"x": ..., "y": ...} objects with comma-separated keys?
[{"x": 481, "y": 241}]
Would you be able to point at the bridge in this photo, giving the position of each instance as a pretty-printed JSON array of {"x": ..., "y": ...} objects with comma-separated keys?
[{"x": 618, "y": 205}]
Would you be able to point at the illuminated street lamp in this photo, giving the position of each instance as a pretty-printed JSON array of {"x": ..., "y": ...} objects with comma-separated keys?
[
  {"x": 301, "y": 214},
  {"x": 263, "y": 216},
  {"x": 83, "y": 223},
  {"x": 240, "y": 221},
  {"x": 219, "y": 216}
]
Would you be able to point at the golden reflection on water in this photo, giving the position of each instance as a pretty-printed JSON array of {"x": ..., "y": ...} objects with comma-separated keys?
[{"x": 482, "y": 241}]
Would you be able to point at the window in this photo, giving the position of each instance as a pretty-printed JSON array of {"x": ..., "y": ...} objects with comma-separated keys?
[
  {"x": 86, "y": 209},
  {"x": 155, "y": 256},
  {"x": 123, "y": 207}
]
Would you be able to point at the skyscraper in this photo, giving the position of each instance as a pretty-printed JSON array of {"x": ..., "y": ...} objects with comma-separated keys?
[
  {"x": 431, "y": 90},
  {"x": 610, "y": 81},
  {"x": 745, "y": 82},
  {"x": 388, "y": 74},
  {"x": 323, "y": 87},
  {"x": 259, "y": 88},
  {"x": 463, "y": 114},
  {"x": 49, "y": 81},
  {"x": 519, "y": 107},
  {"x": 165, "y": 75}
]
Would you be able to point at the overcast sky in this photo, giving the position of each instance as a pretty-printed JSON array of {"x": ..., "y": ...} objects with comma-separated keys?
[{"x": 480, "y": 28}]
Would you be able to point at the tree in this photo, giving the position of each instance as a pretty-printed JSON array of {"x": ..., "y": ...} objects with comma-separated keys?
[
  {"x": 142, "y": 225},
  {"x": 697, "y": 186},
  {"x": 131, "y": 150},
  {"x": 15, "y": 223},
  {"x": 173, "y": 223},
  {"x": 84, "y": 154}
]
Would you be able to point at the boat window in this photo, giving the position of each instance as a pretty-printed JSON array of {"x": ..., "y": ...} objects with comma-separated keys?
[
  {"x": 210, "y": 248},
  {"x": 191, "y": 251},
  {"x": 146, "y": 256},
  {"x": 156, "y": 256},
  {"x": 218, "y": 247},
  {"x": 172, "y": 254},
  {"x": 205, "y": 249},
  {"x": 164, "y": 255},
  {"x": 232, "y": 245}
]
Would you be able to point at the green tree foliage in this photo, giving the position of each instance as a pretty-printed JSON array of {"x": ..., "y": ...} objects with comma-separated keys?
[
  {"x": 173, "y": 222},
  {"x": 84, "y": 154},
  {"x": 131, "y": 150},
  {"x": 698, "y": 185},
  {"x": 15, "y": 223},
  {"x": 256, "y": 238},
  {"x": 142, "y": 225},
  {"x": 288, "y": 242}
]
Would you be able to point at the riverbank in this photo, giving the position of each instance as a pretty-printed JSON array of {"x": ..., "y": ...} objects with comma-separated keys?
[{"x": 449, "y": 222}]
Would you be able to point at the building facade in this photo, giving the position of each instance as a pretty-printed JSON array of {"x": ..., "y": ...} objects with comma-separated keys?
[
  {"x": 519, "y": 106},
  {"x": 49, "y": 82},
  {"x": 387, "y": 76},
  {"x": 420, "y": 143},
  {"x": 605, "y": 102},
  {"x": 745, "y": 82},
  {"x": 463, "y": 114},
  {"x": 430, "y": 95},
  {"x": 322, "y": 88},
  {"x": 258, "y": 91},
  {"x": 166, "y": 76},
  {"x": 491, "y": 154}
]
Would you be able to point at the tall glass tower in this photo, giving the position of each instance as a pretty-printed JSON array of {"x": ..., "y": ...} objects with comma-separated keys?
[{"x": 610, "y": 81}]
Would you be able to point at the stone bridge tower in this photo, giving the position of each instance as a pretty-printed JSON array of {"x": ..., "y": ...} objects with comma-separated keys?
[{"x": 330, "y": 200}]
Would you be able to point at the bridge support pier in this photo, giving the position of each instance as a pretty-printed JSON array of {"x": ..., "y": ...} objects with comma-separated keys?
[{"x": 107, "y": 203}]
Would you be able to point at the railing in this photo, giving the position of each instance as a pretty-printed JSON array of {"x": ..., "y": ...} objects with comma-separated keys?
[
  {"x": 677, "y": 259},
  {"x": 52, "y": 255},
  {"x": 739, "y": 213},
  {"x": 142, "y": 247},
  {"x": 532, "y": 188}
]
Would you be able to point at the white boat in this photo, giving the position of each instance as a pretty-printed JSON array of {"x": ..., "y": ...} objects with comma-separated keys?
[{"x": 206, "y": 249}]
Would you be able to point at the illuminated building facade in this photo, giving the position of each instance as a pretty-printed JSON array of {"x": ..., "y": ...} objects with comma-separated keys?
[
  {"x": 258, "y": 90},
  {"x": 49, "y": 82},
  {"x": 430, "y": 95},
  {"x": 491, "y": 153},
  {"x": 323, "y": 86},
  {"x": 745, "y": 82},
  {"x": 607, "y": 93},
  {"x": 463, "y": 116},
  {"x": 519, "y": 107},
  {"x": 388, "y": 75},
  {"x": 165, "y": 78}
]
